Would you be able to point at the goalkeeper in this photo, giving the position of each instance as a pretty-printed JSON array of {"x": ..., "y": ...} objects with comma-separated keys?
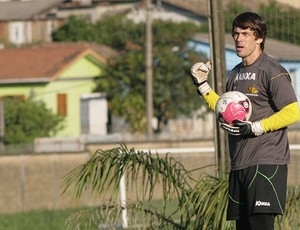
[{"x": 259, "y": 148}]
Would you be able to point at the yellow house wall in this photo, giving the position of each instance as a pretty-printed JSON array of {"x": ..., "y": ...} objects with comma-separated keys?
[{"x": 74, "y": 81}]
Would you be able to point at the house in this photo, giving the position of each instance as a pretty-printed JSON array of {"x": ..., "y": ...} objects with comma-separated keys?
[
  {"x": 23, "y": 22},
  {"x": 64, "y": 77},
  {"x": 95, "y": 10},
  {"x": 195, "y": 11},
  {"x": 31, "y": 21},
  {"x": 28, "y": 21}
]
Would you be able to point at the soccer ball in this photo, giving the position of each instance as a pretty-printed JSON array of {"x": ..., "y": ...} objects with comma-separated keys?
[{"x": 233, "y": 105}]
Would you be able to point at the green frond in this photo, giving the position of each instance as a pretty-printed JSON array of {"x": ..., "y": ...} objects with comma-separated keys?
[
  {"x": 104, "y": 170},
  {"x": 208, "y": 202},
  {"x": 200, "y": 203},
  {"x": 290, "y": 220},
  {"x": 108, "y": 216}
]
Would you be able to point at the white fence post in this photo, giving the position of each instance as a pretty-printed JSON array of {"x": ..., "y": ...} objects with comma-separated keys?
[{"x": 122, "y": 188}]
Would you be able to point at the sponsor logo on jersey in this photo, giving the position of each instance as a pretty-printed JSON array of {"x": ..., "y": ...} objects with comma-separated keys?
[
  {"x": 252, "y": 90},
  {"x": 262, "y": 203},
  {"x": 245, "y": 76}
]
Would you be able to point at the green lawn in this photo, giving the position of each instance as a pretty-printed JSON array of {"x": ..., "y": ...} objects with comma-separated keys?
[
  {"x": 44, "y": 219},
  {"x": 55, "y": 219},
  {"x": 35, "y": 220}
]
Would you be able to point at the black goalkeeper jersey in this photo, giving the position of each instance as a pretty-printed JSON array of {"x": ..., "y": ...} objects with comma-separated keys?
[{"x": 268, "y": 86}]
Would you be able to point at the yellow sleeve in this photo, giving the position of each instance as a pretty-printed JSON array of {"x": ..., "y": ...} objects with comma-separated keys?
[
  {"x": 211, "y": 99},
  {"x": 283, "y": 118}
]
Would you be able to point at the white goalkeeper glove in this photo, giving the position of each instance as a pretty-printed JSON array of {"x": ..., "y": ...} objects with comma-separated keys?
[
  {"x": 244, "y": 128},
  {"x": 200, "y": 73}
]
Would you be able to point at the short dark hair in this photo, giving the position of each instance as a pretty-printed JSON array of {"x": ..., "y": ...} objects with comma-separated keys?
[{"x": 252, "y": 21}]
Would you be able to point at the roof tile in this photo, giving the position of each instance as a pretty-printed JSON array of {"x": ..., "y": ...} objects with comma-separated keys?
[{"x": 42, "y": 62}]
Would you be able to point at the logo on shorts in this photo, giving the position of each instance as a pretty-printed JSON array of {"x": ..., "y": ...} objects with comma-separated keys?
[{"x": 262, "y": 203}]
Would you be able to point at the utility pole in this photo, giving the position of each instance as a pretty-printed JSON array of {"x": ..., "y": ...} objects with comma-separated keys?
[
  {"x": 217, "y": 45},
  {"x": 2, "y": 122},
  {"x": 149, "y": 71}
]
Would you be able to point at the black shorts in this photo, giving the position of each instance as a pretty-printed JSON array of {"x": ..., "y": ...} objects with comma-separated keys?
[{"x": 257, "y": 189}]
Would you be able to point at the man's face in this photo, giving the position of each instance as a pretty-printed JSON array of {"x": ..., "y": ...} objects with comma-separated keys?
[{"x": 246, "y": 44}]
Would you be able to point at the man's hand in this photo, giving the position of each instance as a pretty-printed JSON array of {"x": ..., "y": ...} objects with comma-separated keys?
[
  {"x": 230, "y": 129},
  {"x": 243, "y": 128},
  {"x": 200, "y": 73}
]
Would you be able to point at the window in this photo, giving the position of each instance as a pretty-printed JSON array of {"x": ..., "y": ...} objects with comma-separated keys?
[
  {"x": 16, "y": 32},
  {"x": 62, "y": 104}
]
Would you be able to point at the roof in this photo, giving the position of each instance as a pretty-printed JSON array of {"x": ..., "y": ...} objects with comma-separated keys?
[
  {"x": 45, "y": 62},
  {"x": 24, "y": 10},
  {"x": 282, "y": 51},
  {"x": 200, "y": 7}
]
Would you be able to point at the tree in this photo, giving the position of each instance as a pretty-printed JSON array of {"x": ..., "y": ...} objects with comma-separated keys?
[
  {"x": 282, "y": 22},
  {"x": 76, "y": 29},
  {"x": 26, "y": 120},
  {"x": 233, "y": 9},
  {"x": 124, "y": 83},
  {"x": 200, "y": 203},
  {"x": 124, "y": 78},
  {"x": 116, "y": 31}
]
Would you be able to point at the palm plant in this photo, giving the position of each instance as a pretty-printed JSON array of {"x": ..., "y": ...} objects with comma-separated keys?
[
  {"x": 291, "y": 219},
  {"x": 197, "y": 203}
]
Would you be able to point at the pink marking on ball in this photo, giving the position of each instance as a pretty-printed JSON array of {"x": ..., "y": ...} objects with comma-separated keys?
[{"x": 233, "y": 112}]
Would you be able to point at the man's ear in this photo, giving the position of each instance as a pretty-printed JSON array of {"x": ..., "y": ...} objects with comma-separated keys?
[{"x": 259, "y": 40}]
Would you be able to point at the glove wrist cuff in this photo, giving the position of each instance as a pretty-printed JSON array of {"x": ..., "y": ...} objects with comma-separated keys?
[
  {"x": 257, "y": 128},
  {"x": 204, "y": 88}
]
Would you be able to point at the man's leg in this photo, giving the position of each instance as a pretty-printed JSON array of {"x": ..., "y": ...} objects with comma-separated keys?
[
  {"x": 242, "y": 224},
  {"x": 262, "y": 221},
  {"x": 256, "y": 222}
]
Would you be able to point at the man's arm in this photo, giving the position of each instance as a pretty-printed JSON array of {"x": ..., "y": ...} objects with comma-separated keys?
[
  {"x": 211, "y": 99},
  {"x": 200, "y": 73},
  {"x": 283, "y": 118}
]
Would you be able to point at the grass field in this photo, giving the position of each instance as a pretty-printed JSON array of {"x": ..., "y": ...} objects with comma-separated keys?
[
  {"x": 42, "y": 220},
  {"x": 51, "y": 220},
  {"x": 35, "y": 220}
]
